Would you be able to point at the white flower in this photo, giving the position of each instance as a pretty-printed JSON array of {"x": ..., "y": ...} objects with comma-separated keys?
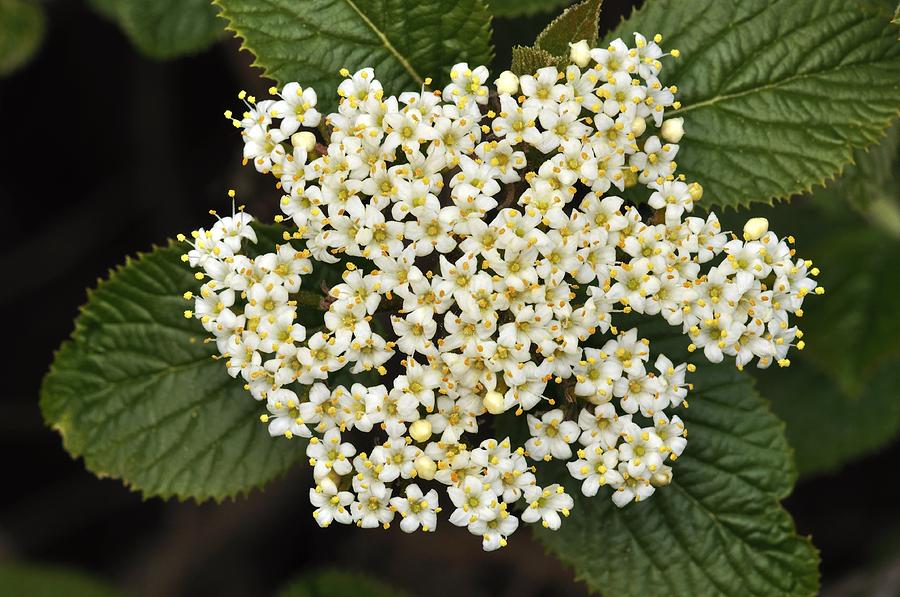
[
  {"x": 602, "y": 426},
  {"x": 321, "y": 355},
  {"x": 655, "y": 162},
  {"x": 641, "y": 451},
  {"x": 417, "y": 509},
  {"x": 394, "y": 459},
  {"x": 296, "y": 108},
  {"x": 674, "y": 196},
  {"x": 467, "y": 84},
  {"x": 330, "y": 504},
  {"x": 393, "y": 409},
  {"x": 285, "y": 418},
  {"x": 330, "y": 454},
  {"x": 551, "y": 436},
  {"x": 373, "y": 507},
  {"x": 544, "y": 90},
  {"x": 546, "y": 505},
  {"x": 595, "y": 468},
  {"x": 629, "y": 488},
  {"x": 474, "y": 500},
  {"x": 617, "y": 60},
  {"x": 495, "y": 531}
]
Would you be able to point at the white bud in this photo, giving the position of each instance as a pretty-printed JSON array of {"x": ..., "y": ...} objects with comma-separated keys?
[
  {"x": 425, "y": 467},
  {"x": 494, "y": 403},
  {"x": 329, "y": 482},
  {"x": 673, "y": 130},
  {"x": 580, "y": 53},
  {"x": 420, "y": 430},
  {"x": 507, "y": 82},
  {"x": 661, "y": 478},
  {"x": 755, "y": 228},
  {"x": 305, "y": 140},
  {"x": 638, "y": 126}
]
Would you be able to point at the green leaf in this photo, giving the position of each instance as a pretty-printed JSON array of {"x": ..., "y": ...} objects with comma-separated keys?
[
  {"x": 21, "y": 33},
  {"x": 107, "y": 8},
  {"x": 574, "y": 24},
  {"x": 853, "y": 328},
  {"x": 406, "y": 41},
  {"x": 776, "y": 94},
  {"x": 338, "y": 583},
  {"x": 526, "y": 61},
  {"x": 871, "y": 184},
  {"x": 168, "y": 28},
  {"x": 50, "y": 581},
  {"x": 826, "y": 427},
  {"x": 520, "y": 8},
  {"x": 718, "y": 528},
  {"x": 840, "y": 395},
  {"x": 136, "y": 393}
]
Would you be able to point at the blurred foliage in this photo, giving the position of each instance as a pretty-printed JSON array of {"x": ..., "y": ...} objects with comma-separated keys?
[
  {"x": 21, "y": 32},
  {"x": 29, "y": 580},
  {"x": 339, "y": 583},
  {"x": 165, "y": 28},
  {"x": 841, "y": 395}
]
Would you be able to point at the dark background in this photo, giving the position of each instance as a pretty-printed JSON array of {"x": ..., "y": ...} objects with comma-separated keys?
[{"x": 106, "y": 153}]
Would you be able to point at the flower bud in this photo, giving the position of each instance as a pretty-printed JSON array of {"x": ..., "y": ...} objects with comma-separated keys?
[
  {"x": 696, "y": 191},
  {"x": 580, "y": 53},
  {"x": 662, "y": 477},
  {"x": 638, "y": 126},
  {"x": 329, "y": 482},
  {"x": 420, "y": 430},
  {"x": 425, "y": 467},
  {"x": 755, "y": 228},
  {"x": 494, "y": 403},
  {"x": 507, "y": 82},
  {"x": 305, "y": 140},
  {"x": 673, "y": 130}
]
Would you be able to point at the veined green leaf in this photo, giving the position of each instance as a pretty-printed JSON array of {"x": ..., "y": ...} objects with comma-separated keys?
[
  {"x": 718, "y": 529},
  {"x": 527, "y": 60},
  {"x": 405, "y": 41},
  {"x": 551, "y": 48},
  {"x": 136, "y": 393},
  {"x": 776, "y": 94},
  {"x": 574, "y": 24}
]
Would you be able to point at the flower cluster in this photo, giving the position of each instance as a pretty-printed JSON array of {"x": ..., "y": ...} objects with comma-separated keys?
[{"x": 485, "y": 253}]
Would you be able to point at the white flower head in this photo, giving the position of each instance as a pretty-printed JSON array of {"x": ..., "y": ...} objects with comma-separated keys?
[{"x": 452, "y": 254}]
